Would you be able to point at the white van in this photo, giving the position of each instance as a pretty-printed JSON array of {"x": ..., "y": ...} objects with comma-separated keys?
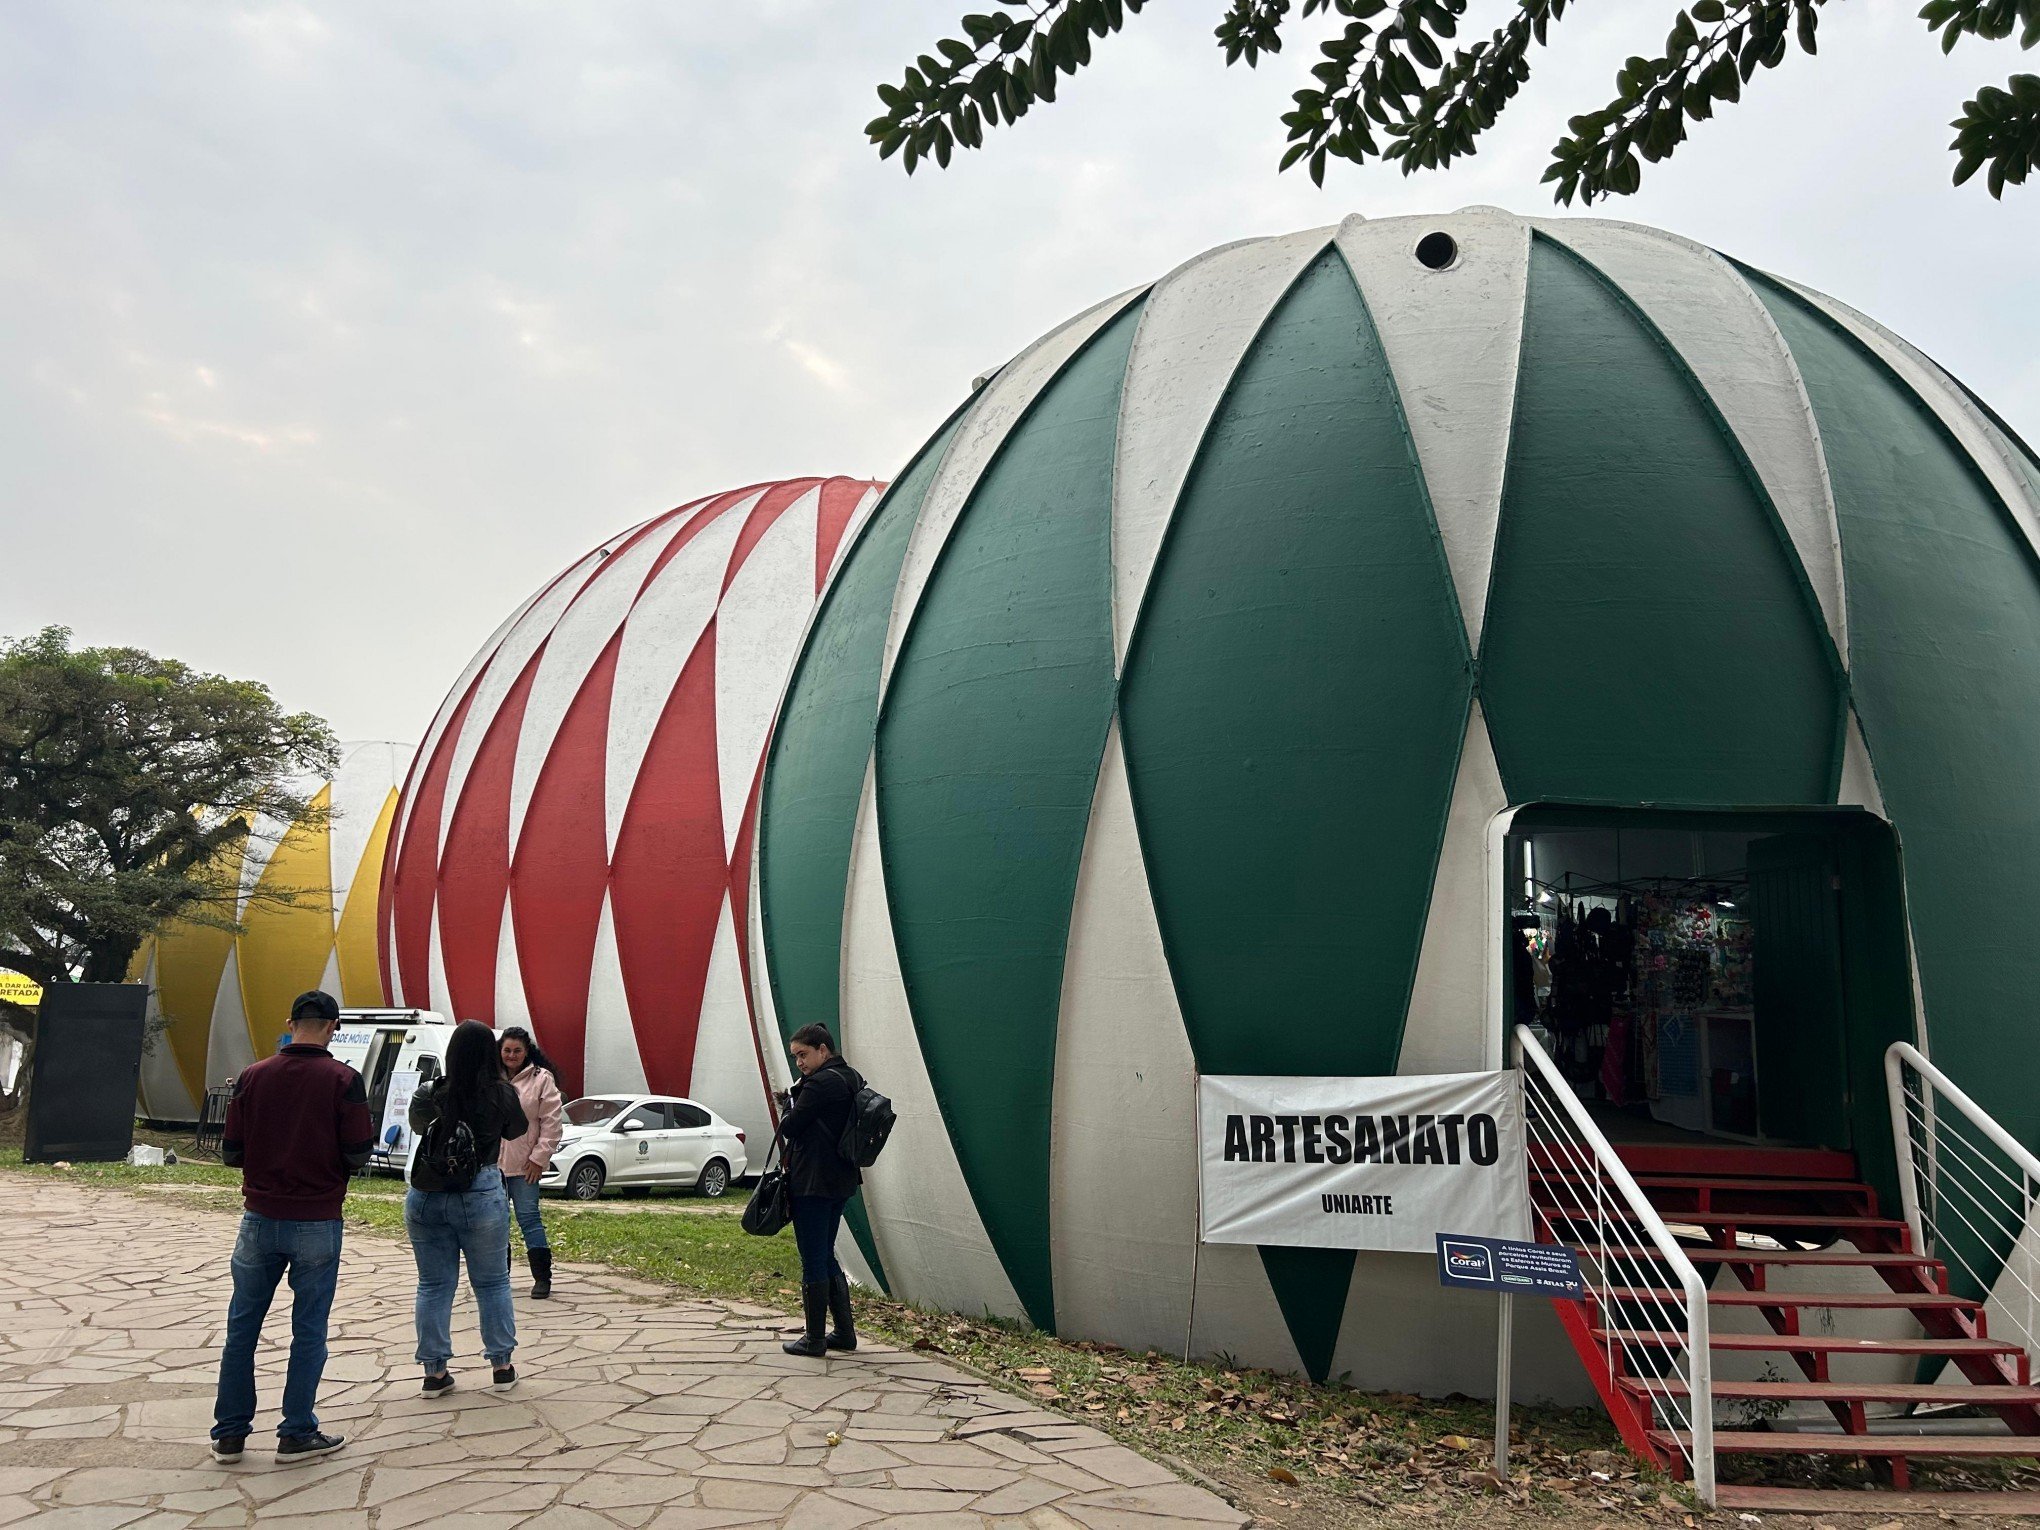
[{"x": 390, "y": 1048}]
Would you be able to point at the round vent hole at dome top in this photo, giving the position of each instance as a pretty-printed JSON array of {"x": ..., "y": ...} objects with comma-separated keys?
[{"x": 1437, "y": 250}]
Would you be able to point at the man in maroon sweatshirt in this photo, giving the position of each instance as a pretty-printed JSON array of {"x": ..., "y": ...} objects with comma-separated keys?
[{"x": 297, "y": 1127}]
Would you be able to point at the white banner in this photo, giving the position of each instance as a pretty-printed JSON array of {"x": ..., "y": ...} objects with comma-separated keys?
[{"x": 1362, "y": 1163}]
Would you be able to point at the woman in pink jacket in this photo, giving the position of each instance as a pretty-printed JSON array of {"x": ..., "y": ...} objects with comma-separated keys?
[{"x": 524, "y": 1158}]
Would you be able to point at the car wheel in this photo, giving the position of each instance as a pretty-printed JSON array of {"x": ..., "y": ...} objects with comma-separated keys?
[
  {"x": 585, "y": 1182},
  {"x": 715, "y": 1178}
]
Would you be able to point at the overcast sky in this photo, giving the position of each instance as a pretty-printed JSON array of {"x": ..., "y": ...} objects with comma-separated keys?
[{"x": 328, "y": 332}]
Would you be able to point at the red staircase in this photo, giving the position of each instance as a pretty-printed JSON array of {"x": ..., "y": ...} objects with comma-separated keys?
[{"x": 1742, "y": 1215}]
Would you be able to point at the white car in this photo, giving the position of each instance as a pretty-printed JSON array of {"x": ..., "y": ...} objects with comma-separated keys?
[{"x": 633, "y": 1140}]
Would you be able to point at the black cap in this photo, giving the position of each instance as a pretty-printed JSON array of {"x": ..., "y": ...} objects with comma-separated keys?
[{"x": 314, "y": 1004}]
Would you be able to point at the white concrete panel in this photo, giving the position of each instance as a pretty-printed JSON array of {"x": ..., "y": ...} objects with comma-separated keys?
[
  {"x": 1442, "y": 1341},
  {"x": 1453, "y": 339},
  {"x": 1236, "y": 1314},
  {"x": 1196, "y": 328},
  {"x": 1727, "y": 338},
  {"x": 1125, "y": 1101},
  {"x": 512, "y": 654},
  {"x": 757, "y": 638},
  {"x": 998, "y": 408},
  {"x": 612, "y": 1064},
  {"x": 1950, "y": 404},
  {"x": 512, "y": 1006},
  {"x": 577, "y": 641},
  {"x": 2012, "y": 1309},
  {"x": 440, "y": 998},
  {"x": 778, "y": 1068},
  {"x": 725, "y": 1053},
  {"x": 1445, "y": 1031},
  {"x": 227, "y": 1048},
  {"x": 929, "y": 1234},
  {"x": 1859, "y": 776},
  {"x": 329, "y": 978},
  {"x": 164, "y": 1096},
  {"x": 361, "y": 787},
  {"x": 659, "y": 637}
]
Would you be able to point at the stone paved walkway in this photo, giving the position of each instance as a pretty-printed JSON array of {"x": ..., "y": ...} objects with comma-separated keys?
[{"x": 637, "y": 1409}]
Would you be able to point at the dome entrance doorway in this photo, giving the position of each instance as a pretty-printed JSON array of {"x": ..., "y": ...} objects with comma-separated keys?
[{"x": 1713, "y": 978}]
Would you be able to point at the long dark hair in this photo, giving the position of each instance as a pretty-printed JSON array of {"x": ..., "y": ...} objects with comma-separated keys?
[
  {"x": 534, "y": 1055},
  {"x": 471, "y": 1067}
]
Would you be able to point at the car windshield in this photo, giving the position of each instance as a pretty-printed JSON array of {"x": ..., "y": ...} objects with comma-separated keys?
[{"x": 593, "y": 1112}]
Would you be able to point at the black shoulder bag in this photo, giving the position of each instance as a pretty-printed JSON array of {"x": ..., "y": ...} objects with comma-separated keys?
[{"x": 771, "y": 1204}]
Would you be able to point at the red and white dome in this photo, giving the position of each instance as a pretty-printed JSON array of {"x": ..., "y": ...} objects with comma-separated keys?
[{"x": 573, "y": 848}]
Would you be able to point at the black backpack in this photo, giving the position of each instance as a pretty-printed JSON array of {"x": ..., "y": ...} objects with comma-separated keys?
[
  {"x": 449, "y": 1150},
  {"x": 870, "y": 1124}
]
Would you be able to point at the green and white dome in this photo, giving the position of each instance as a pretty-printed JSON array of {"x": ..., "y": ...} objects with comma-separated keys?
[{"x": 1157, "y": 718}]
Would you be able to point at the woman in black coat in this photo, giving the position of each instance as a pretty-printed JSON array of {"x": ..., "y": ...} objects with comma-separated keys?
[{"x": 820, "y": 1181}]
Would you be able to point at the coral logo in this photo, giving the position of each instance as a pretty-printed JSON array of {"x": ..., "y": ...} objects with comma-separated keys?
[{"x": 1468, "y": 1261}]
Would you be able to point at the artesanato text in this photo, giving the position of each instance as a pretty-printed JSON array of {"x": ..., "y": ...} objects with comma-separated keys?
[{"x": 1440, "y": 1139}]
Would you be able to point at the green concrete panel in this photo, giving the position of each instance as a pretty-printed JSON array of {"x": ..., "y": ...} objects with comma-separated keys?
[
  {"x": 814, "y": 775},
  {"x": 988, "y": 753},
  {"x": 1944, "y": 640},
  {"x": 1295, "y": 698},
  {"x": 1650, "y": 636}
]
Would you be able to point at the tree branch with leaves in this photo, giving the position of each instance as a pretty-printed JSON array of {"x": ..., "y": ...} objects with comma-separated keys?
[{"x": 1385, "y": 87}]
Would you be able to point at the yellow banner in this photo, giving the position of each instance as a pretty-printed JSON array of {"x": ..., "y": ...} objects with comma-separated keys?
[{"x": 16, "y": 989}]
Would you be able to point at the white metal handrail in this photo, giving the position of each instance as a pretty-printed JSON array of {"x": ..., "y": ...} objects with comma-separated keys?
[
  {"x": 1584, "y": 1179},
  {"x": 1962, "y": 1206}
]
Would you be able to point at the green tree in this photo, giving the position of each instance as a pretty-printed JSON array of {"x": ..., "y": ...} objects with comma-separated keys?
[
  {"x": 127, "y": 785},
  {"x": 1386, "y": 87}
]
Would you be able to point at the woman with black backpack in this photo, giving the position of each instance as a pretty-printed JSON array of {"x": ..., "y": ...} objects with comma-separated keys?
[
  {"x": 820, "y": 1182},
  {"x": 456, "y": 1208}
]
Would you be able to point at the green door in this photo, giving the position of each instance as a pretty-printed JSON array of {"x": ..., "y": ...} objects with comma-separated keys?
[{"x": 1802, "y": 1046}]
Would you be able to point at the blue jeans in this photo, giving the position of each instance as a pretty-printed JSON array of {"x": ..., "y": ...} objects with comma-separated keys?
[
  {"x": 445, "y": 1227},
  {"x": 524, "y": 1205},
  {"x": 267, "y": 1250},
  {"x": 815, "y": 1221}
]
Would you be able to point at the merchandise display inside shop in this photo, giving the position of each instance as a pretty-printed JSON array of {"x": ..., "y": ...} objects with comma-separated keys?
[{"x": 1635, "y": 953}]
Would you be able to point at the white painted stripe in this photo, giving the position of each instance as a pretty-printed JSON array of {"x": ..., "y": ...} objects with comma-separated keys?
[
  {"x": 1446, "y": 1029},
  {"x": 1237, "y": 1314},
  {"x": 977, "y": 441},
  {"x": 164, "y": 1095},
  {"x": 1194, "y": 331},
  {"x": 929, "y": 1234},
  {"x": 1950, "y": 405},
  {"x": 1725, "y": 335},
  {"x": 659, "y": 637},
  {"x": 611, "y": 1064},
  {"x": 512, "y": 654},
  {"x": 1125, "y": 1101},
  {"x": 725, "y": 1056},
  {"x": 368, "y": 774},
  {"x": 1440, "y": 1340},
  {"x": 227, "y": 1047},
  {"x": 577, "y": 641},
  {"x": 757, "y": 638},
  {"x": 1859, "y": 777},
  {"x": 512, "y": 1006},
  {"x": 439, "y": 996},
  {"x": 1453, "y": 339}
]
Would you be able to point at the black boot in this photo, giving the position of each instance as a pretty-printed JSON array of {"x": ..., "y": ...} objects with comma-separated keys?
[
  {"x": 541, "y": 1272},
  {"x": 842, "y": 1328},
  {"x": 814, "y": 1302}
]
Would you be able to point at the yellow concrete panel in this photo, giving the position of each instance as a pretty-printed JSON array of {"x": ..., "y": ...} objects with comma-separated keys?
[
  {"x": 360, "y": 969},
  {"x": 285, "y": 947},
  {"x": 190, "y": 959}
]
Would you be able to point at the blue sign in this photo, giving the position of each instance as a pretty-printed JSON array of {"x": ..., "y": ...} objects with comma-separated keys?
[{"x": 1515, "y": 1269}]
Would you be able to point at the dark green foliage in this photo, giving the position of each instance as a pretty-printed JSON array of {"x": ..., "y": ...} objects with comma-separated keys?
[
  {"x": 126, "y": 782},
  {"x": 1384, "y": 86}
]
